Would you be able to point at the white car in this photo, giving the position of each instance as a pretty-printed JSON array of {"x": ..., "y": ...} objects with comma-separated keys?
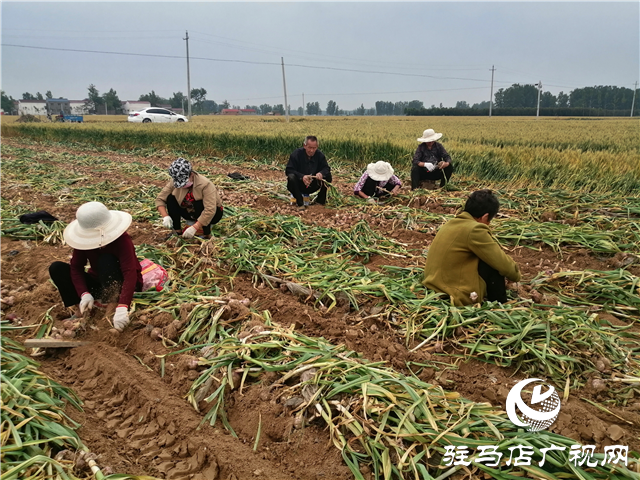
[{"x": 156, "y": 115}]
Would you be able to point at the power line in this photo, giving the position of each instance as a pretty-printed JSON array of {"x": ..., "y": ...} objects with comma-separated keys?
[
  {"x": 244, "y": 61},
  {"x": 271, "y": 97}
]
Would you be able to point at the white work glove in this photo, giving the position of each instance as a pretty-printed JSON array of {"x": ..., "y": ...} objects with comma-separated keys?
[
  {"x": 371, "y": 200},
  {"x": 86, "y": 302},
  {"x": 167, "y": 222},
  {"x": 121, "y": 318},
  {"x": 189, "y": 232},
  {"x": 430, "y": 167}
]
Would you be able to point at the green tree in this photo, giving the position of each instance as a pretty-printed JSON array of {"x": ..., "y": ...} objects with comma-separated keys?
[
  {"x": 7, "y": 103},
  {"x": 198, "y": 95},
  {"x": 28, "y": 96},
  {"x": 209, "y": 106},
  {"x": 313, "y": 108},
  {"x": 153, "y": 99},
  {"x": 517, "y": 96},
  {"x": 48, "y": 94},
  {"x": 300, "y": 111},
  {"x": 360, "y": 110},
  {"x": 462, "y": 105},
  {"x": 481, "y": 105},
  {"x": 278, "y": 109},
  {"x": 39, "y": 96},
  {"x": 417, "y": 104},
  {"x": 265, "y": 108},
  {"x": 547, "y": 99},
  {"x": 331, "y": 107},
  {"x": 94, "y": 100},
  {"x": 178, "y": 100},
  {"x": 112, "y": 101},
  {"x": 563, "y": 100},
  {"x": 223, "y": 105}
]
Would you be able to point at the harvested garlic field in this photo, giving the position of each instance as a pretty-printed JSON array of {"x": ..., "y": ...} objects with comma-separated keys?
[{"x": 301, "y": 345}]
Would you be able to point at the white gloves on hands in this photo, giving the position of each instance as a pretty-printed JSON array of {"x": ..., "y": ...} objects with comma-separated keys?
[
  {"x": 86, "y": 302},
  {"x": 167, "y": 222},
  {"x": 430, "y": 167},
  {"x": 121, "y": 318},
  {"x": 371, "y": 200},
  {"x": 189, "y": 232}
]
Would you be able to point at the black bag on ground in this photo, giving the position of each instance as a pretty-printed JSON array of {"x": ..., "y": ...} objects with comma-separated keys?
[
  {"x": 237, "y": 176},
  {"x": 36, "y": 217}
]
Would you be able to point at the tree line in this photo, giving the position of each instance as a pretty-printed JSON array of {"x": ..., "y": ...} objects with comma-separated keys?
[{"x": 514, "y": 100}]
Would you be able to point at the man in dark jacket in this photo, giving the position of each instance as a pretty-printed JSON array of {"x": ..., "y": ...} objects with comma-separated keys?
[
  {"x": 431, "y": 161},
  {"x": 307, "y": 172}
]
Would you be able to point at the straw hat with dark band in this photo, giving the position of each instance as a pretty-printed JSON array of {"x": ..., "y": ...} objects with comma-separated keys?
[{"x": 95, "y": 226}]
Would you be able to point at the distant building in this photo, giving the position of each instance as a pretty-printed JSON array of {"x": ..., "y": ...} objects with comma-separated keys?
[
  {"x": 32, "y": 107},
  {"x": 168, "y": 107},
  {"x": 129, "y": 106},
  {"x": 239, "y": 111},
  {"x": 78, "y": 106},
  {"x": 55, "y": 106}
]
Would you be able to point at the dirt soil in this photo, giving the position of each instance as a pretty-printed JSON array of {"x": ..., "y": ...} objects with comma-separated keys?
[{"x": 141, "y": 423}]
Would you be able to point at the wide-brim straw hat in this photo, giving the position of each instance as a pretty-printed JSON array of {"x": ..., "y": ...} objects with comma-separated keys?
[
  {"x": 95, "y": 226},
  {"x": 429, "y": 136},
  {"x": 380, "y": 171}
]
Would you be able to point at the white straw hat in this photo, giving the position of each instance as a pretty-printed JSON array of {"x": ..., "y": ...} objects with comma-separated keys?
[
  {"x": 429, "y": 136},
  {"x": 380, "y": 171},
  {"x": 95, "y": 226}
]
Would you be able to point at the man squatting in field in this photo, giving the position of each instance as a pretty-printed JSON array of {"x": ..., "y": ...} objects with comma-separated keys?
[
  {"x": 377, "y": 182},
  {"x": 99, "y": 236},
  {"x": 465, "y": 261},
  {"x": 306, "y": 170},
  {"x": 431, "y": 161},
  {"x": 191, "y": 196}
]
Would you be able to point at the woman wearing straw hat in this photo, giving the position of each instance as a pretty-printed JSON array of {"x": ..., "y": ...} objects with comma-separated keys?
[
  {"x": 431, "y": 161},
  {"x": 191, "y": 196},
  {"x": 99, "y": 236},
  {"x": 378, "y": 181}
]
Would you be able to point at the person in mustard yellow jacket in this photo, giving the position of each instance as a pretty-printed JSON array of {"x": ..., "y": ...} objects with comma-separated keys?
[
  {"x": 191, "y": 196},
  {"x": 465, "y": 261}
]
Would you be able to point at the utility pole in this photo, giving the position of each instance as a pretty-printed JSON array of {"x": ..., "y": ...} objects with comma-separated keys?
[
  {"x": 284, "y": 84},
  {"x": 539, "y": 90},
  {"x": 633, "y": 102},
  {"x": 303, "y": 105},
  {"x": 188, "y": 78},
  {"x": 491, "y": 95}
]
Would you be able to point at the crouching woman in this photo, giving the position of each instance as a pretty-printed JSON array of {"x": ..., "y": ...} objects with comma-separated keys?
[
  {"x": 191, "y": 196},
  {"x": 377, "y": 182},
  {"x": 99, "y": 237}
]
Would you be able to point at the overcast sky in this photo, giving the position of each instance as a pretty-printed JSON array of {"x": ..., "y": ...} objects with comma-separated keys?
[{"x": 353, "y": 53}]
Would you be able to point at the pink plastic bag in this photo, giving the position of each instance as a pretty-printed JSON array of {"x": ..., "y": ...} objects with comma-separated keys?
[{"x": 153, "y": 275}]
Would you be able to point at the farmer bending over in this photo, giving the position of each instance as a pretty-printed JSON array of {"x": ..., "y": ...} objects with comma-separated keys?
[
  {"x": 307, "y": 172},
  {"x": 431, "y": 161},
  {"x": 377, "y": 182},
  {"x": 465, "y": 261},
  {"x": 98, "y": 236},
  {"x": 191, "y": 196}
]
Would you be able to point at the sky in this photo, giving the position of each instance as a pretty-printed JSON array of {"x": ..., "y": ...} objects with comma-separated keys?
[{"x": 354, "y": 53}]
